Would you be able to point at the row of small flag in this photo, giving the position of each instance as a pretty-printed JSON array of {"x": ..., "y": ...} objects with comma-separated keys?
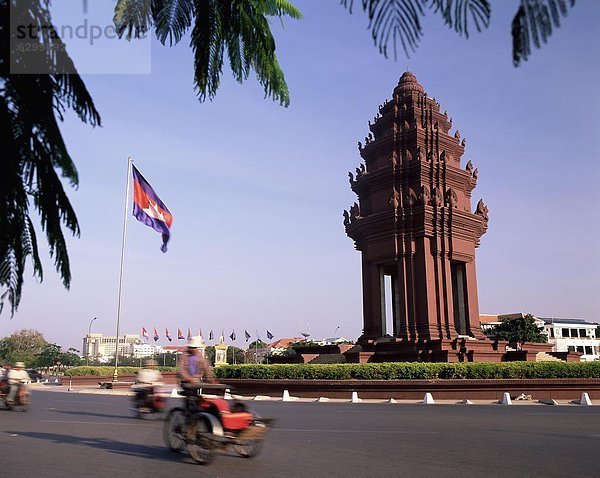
[{"x": 211, "y": 336}]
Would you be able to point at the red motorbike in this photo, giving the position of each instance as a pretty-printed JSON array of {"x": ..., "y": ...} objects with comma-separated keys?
[
  {"x": 208, "y": 424},
  {"x": 147, "y": 401},
  {"x": 21, "y": 402}
]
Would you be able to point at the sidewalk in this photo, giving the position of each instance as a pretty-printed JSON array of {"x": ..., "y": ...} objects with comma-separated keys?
[{"x": 168, "y": 392}]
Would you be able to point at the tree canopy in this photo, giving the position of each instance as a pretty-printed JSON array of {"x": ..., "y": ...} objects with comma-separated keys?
[{"x": 519, "y": 330}]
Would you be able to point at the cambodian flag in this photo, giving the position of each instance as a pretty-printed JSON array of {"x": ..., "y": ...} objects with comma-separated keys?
[
  {"x": 144, "y": 333},
  {"x": 189, "y": 335},
  {"x": 149, "y": 209},
  {"x": 155, "y": 334},
  {"x": 167, "y": 335},
  {"x": 180, "y": 334}
]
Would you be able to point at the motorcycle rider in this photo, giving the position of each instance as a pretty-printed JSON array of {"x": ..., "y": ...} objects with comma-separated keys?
[
  {"x": 4, "y": 378},
  {"x": 16, "y": 378},
  {"x": 194, "y": 368},
  {"x": 147, "y": 379}
]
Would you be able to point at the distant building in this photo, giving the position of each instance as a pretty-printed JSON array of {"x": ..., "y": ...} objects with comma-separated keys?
[
  {"x": 565, "y": 335},
  {"x": 574, "y": 335},
  {"x": 102, "y": 348}
]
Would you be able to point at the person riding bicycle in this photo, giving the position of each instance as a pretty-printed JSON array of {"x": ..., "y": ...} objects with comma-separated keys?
[
  {"x": 194, "y": 368},
  {"x": 16, "y": 378},
  {"x": 147, "y": 378}
]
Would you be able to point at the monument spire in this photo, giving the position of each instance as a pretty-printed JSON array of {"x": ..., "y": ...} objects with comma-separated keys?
[{"x": 413, "y": 222}]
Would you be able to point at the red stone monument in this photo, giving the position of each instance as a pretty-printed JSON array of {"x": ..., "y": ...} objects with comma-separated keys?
[{"x": 413, "y": 222}]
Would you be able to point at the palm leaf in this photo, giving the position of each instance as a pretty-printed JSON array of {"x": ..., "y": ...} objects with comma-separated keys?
[
  {"x": 172, "y": 19},
  {"x": 133, "y": 18},
  {"x": 533, "y": 24}
]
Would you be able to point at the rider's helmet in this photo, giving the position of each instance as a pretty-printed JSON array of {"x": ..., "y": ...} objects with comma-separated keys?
[
  {"x": 19, "y": 365},
  {"x": 195, "y": 342}
]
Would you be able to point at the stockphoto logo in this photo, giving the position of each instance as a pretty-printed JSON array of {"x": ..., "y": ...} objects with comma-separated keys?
[{"x": 85, "y": 40}]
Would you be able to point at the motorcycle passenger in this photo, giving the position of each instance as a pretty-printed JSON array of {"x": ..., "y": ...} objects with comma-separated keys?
[
  {"x": 194, "y": 368},
  {"x": 147, "y": 379},
  {"x": 4, "y": 378},
  {"x": 16, "y": 378}
]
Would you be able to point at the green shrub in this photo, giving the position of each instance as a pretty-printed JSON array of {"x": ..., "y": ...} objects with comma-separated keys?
[
  {"x": 107, "y": 371},
  {"x": 412, "y": 371}
]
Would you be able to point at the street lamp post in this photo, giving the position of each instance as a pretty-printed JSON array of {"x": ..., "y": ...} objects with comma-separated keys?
[
  {"x": 87, "y": 350},
  {"x": 335, "y": 333}
]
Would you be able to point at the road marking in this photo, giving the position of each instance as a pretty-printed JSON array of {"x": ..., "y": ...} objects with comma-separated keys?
[
  {"x": 389, "y": 432},
  {"x": 95, "y": 423}
]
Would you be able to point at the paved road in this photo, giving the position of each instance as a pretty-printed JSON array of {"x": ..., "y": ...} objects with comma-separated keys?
[{"x": 93, "y": 436}]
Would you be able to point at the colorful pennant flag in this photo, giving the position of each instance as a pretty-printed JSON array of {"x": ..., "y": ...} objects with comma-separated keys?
[
  {"x": 189, "y": 335},
  {"x": 167, "y": 334},
  {"x": 211, "y": 335},
  {"x": 270, "y": 335},
  {"x": 144, "y": 333},
  {"x": 155, "y": 334},
  {"x": 247, "y": 335},
  {"x": 232, "y": 336},
  {"x": 180, "y": 335},
  {"x": 149, "y": 209}
]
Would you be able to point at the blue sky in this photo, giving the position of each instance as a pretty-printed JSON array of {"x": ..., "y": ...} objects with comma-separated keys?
[{"x": 257, "y": 190}]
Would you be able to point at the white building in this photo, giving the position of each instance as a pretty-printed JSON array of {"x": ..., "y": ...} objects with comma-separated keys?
[
  {"x": 574, "y": 335},
  {"x": 102, "y": 348},
  {"x": 565, "y": 335}
]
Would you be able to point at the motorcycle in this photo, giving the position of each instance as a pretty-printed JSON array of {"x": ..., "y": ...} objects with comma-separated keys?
[
  {"x": 208, "y": 424},
  {"x": 21, "y": 401},
  {"x": 147, "y": 401}
]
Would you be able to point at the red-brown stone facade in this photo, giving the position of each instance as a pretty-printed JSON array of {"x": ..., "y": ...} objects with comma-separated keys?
[{"x": 413, "y": 221}]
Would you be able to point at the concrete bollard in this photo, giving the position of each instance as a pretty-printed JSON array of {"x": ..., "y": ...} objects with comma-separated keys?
[
  {"x": 428, "y": 399},
  {"x": 286, "y": 397},
  {"x": 585, "y": 399},
  {"x": 506, "y": 399},
  {"x": 355, "y": 398},
  {"x": 70, "y": 389}
]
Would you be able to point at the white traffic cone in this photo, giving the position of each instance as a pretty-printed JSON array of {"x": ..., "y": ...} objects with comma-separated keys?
[
  {"x": 428, "y": 399},
  {"x": 227, "y": 394},
  {"x": 174, "y": 393},
  {"x": 466, "y": 401},
  {"x": 585, "y": 399},
  {"x": 391, "y": 400},
  {"x": 506, "y": 399},
  {"x": 355, "y": 398}
]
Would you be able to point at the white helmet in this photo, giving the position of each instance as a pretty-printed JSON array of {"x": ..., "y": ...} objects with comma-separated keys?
[{"x": 195, "y": 342}]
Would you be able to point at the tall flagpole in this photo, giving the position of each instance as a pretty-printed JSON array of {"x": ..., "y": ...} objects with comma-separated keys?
[{"x": 129, "y": 163}]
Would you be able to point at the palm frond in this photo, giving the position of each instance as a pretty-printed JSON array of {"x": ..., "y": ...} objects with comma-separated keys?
[
  {"x": 456, "y": 14},
  {"x": 240, "y": 28},
  {"x": 172, "y": 19},
  {"x": 533, "y": 24},
  {"x": 133, "y": 18}
]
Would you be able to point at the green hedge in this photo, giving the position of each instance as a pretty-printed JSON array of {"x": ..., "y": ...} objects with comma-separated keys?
[
  {"x": 107, "y": 371},
  {"x": 412, "y": 370}
]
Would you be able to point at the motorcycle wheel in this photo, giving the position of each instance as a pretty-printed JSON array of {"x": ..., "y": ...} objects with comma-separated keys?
[
  {"x": 249, "y": 449},
  {"x": 199, "y": 447},
  {"x": 174, "y": 429}
]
